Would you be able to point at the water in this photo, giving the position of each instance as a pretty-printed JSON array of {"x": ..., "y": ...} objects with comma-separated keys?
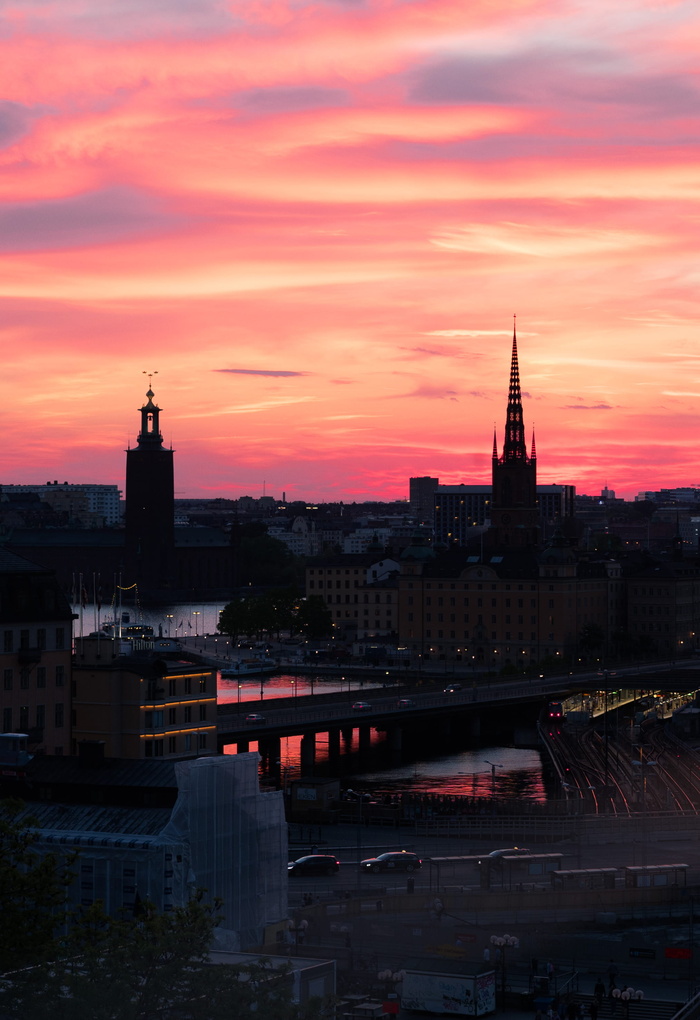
[
  {"x": 464, "y": 770},
  {"x": 478, "y": 772}
]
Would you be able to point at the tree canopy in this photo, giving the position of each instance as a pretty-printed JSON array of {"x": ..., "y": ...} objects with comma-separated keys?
[
  {"x": 32, "y": 891},
  {"x": 276, "y": 610},
  {"x": 89, "y": 966}
]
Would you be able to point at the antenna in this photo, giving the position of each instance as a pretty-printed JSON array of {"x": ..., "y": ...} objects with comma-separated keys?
[{"x": 150, "y": 376}]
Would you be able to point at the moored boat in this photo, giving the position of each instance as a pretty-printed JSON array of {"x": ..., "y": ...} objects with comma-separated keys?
[{"x": 248, "y": 667}]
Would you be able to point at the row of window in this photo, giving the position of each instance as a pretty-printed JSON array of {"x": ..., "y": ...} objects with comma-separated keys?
[
  {"x": 465, "y": 586},
  {"x": 388, "y": 596},
  {"x": 507, "y": 636},
  {"x": 155, "y": 719},
  {"x": 24, "y": 678},
  {"x": 155, "y": 688},
  {"x": 25, "y": 638},
  {"x": 365, "y": 613},
  {"x": 176, "y": 745},
  {"x": 23, "y": 722},
  {"x": 651, "y": 610}
]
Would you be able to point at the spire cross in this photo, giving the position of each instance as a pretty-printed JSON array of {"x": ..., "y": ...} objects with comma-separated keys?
[{"x": 150, "y": 376}]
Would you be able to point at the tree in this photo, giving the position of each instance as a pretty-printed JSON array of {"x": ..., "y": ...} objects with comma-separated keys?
[
  {"x": 313, "y": 618},
  {"x": 153, "y": 966},
  {"x": 32, "y": 891}
]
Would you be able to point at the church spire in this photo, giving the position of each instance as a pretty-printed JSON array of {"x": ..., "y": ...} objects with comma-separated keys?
[{"x": 514, "y": 442}]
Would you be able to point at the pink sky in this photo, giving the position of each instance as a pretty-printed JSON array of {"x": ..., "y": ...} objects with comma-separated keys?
[{"x": 315, "y": 221}]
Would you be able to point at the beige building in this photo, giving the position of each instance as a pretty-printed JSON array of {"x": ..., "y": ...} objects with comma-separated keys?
[
  {"x": 137, "y": 704},
  {"x": 361, "y": 594}
]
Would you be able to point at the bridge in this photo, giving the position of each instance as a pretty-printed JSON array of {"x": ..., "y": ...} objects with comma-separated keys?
[{"x": 393, "y": 710}]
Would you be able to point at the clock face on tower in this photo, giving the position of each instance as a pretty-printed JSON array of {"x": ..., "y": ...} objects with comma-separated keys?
[{"x": 505, "y": 519}]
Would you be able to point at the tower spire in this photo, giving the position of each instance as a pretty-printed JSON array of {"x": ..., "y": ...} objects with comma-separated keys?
[
  {"x": 514, "y": 442},
  {"x": 150, "y": 435}
]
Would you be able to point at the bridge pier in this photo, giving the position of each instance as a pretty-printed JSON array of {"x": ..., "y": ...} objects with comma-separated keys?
[
  {"x": 475, "y": 725},
  {"x": 269, "y": 749},
  {"x": 242, "y": 745},
  {"x": 308, "y": 753},
  {"x": 365, "y": 734},
  {"x": 334, "y": 744},
  {"x": 395, "y": 739}
]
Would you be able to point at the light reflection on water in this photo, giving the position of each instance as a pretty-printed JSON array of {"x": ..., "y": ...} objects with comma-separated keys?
[{"x": 518, "y": 772}]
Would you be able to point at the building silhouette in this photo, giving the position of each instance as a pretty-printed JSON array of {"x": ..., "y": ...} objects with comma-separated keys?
[
  {"x": 150, "y": 505},
  {"x": 149, "y": 555}
]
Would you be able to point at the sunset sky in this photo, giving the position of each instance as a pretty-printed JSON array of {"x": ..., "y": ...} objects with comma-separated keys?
[{"x": 315, "y": 221}]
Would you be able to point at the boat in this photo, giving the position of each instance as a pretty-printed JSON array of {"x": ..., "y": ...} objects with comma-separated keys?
[{"x": 248, "y": 667}]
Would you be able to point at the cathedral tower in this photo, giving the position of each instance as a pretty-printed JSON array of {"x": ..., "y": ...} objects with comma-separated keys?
[
  {"x": 514, "y": 513},
  {"x": 150, "y": 505}
]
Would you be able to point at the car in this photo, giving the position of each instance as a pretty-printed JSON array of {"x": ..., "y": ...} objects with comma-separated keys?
[
  {"x": 405, "y": 703},
  {"x": 254, "y": 717},
  {"x": 513, "y": 851},
  {"x": 314, "y": 864},
  {"x": 395, "y": 860},
  {"x": 361, "y": 706},
  {"x": 452, "y": 688}
]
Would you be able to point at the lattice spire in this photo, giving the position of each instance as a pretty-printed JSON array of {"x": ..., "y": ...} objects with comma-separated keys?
[{"x": 514, "y": 443}]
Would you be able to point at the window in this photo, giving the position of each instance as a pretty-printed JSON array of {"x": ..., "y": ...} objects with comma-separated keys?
[
  {"x": 188, "y": 713},
  {"x": 7, "y": 720},
  {"x": 202, "y": 685},
  {"x": 40, "y": 716},
  {"x": 41, "y": 638},
  {"x": 172, "y": 716},
  {"x": 24, "y": 679},
  {"x": 8, "y": 641},
  {"x": 60, "y": 675},
  {"x": 153, "y": 720},
  {"x": 58, "y": 715},
  {"x": 41, "y": 676},
  {"x": 172, "y": 745},
  {"x": 202, "y": 740},
  {"x": 154, "y": 749},
  {"x": 188, "y": 685},
  {"x": 60, "y": 638},
  {"x": 24, "y": 639},
  {"x": 171, "y": 687},
  {"x": 188, "y": 741},
  {"x": 202, "y": 713},
  {"x": 7, "y": 679}
]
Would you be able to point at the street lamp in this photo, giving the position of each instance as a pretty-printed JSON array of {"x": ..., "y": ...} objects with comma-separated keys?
[
  {"x": 494, "y": 766},
  {"x": 501, "y": 942},
  {"x": 196, "y": 615},
  {"x": 641, "y": 763},
  {"x": 168, "y": 617}
]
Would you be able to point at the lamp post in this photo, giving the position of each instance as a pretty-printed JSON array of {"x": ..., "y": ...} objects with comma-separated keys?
[
  {"x": 502, "y": 942},
  {"x": 641, "y": 764},
  {"x": 168, "y": 617},
  {"x": 494, "y": 766},
  {"x": 196, "y": 615}
]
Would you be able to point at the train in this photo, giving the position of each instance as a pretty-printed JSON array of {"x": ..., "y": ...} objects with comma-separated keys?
[{"x": 555, "y": 711}]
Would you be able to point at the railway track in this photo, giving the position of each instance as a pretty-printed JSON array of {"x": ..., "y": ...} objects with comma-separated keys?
[{"x": 615, "y": 774}]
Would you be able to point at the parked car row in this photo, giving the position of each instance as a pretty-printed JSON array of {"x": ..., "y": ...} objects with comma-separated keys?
[{"x": 327, "y": 864}]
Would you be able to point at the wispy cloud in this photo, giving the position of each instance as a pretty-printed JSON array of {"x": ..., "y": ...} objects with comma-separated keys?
[{"x": 274, "y": 372}]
